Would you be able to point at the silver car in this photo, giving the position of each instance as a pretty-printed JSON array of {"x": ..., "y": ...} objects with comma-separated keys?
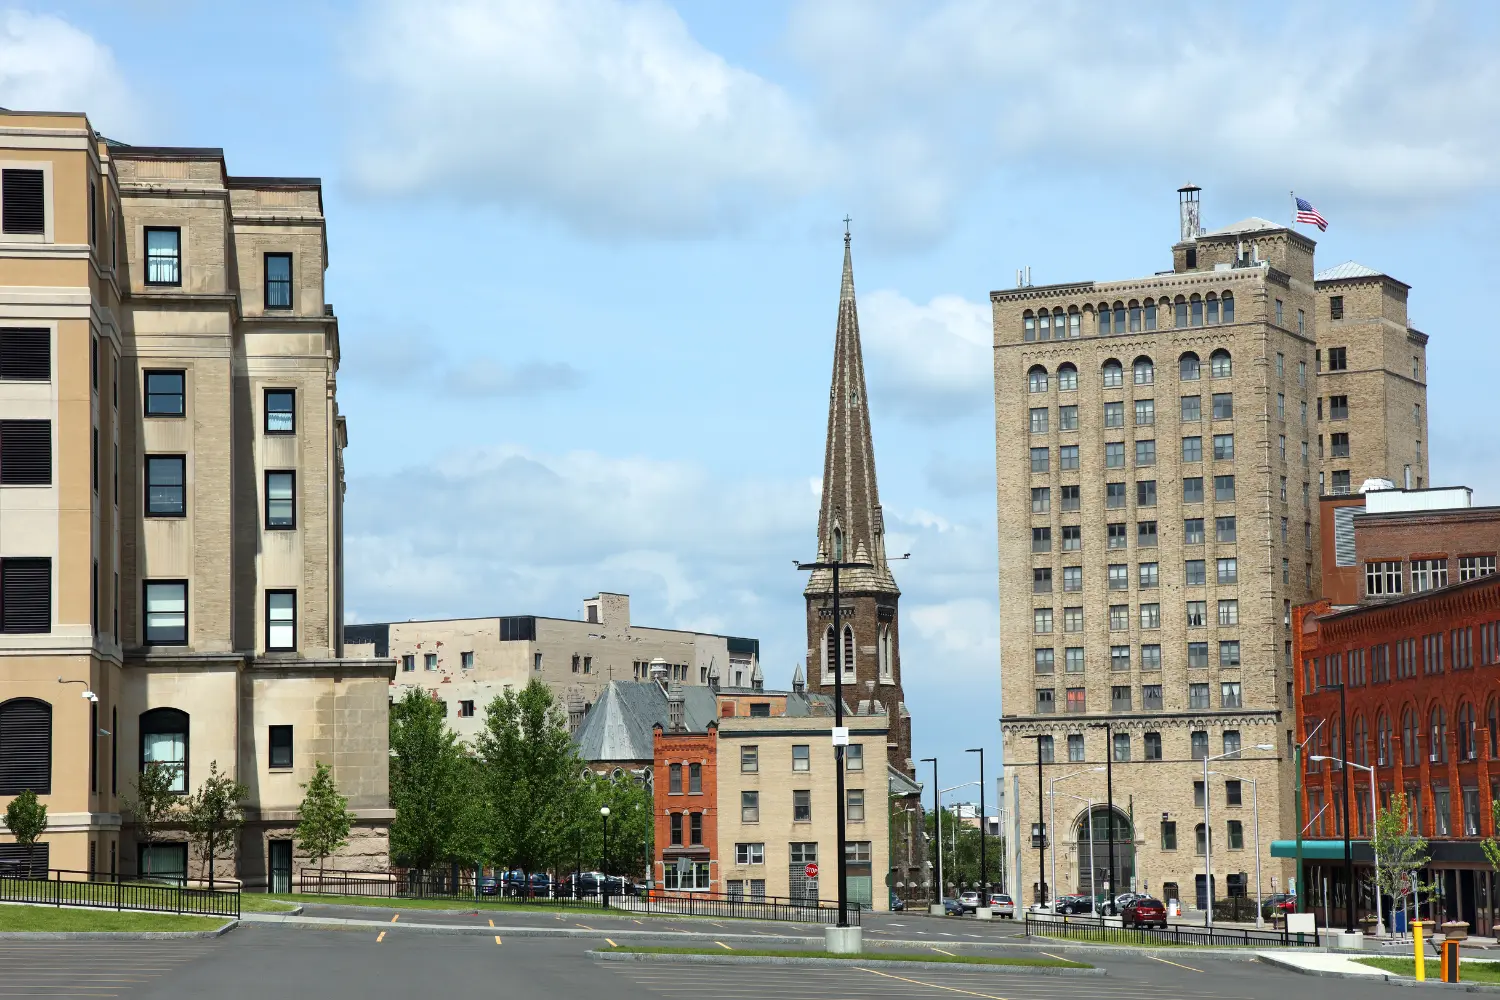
[{"x": 1002, "y": 905}]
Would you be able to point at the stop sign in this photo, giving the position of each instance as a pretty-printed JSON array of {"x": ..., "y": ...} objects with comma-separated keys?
[{"x": 811, "y": 871}]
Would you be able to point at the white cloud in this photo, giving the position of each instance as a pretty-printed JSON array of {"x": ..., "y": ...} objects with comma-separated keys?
[
  {"x": 1404, "y": 108},
  {"x": 46, "y": 64},
  {"x": 928, "y": 362},
  {"x": 607, "y": 114},
  {"x": 407, "y": 358}
]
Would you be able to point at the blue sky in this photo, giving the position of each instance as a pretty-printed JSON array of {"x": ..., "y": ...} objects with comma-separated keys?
[{"x": 586, "y": 254}]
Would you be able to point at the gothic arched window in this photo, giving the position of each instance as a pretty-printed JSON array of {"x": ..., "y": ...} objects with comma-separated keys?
[
  {"x": 886, "y": 659},
  {"x": 829, "y": 650},
  {"x": 848, "y": 649}
]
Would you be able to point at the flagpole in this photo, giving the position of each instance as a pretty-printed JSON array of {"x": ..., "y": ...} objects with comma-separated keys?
[{"x": 1293, "y": 196}]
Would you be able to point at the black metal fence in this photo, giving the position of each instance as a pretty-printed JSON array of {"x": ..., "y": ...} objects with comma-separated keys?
[
  {"x": 169, "y": 894},
  {"x": 1099, "y": 929}
]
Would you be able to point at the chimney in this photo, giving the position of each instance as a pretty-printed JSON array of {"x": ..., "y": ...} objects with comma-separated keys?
[
  {"x": 1189, "y": 210},
  {"x": 659, "y": 672},
  {"x": 675, "y": 722}
]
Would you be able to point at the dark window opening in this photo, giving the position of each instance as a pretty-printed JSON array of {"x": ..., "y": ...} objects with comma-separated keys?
[
  {"x": 278, "y": 281},
  {"x": 281, "y": 500},
  {"x": 25, "y": 746},
  {"x": 23, "y": 206},
  {"x": 166, "y": 490},
  {"x": 25, "y": 596},
  {"x": 281, "y": 746}
]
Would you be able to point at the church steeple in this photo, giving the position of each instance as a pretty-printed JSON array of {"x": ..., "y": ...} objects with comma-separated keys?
[{"x": 850, "y": 518}]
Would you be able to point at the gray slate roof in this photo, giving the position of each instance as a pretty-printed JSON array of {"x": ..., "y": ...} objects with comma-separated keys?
[
  {"x": 1348, "y": 269},
  {"x": 618, "y": 726}
]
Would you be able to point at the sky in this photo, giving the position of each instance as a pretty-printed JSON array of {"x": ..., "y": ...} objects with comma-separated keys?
[{"x": 586, "y": 255}]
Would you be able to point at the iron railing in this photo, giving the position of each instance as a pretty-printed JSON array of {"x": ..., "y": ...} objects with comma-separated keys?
[
  {"x": 153, "y": 894},
  {"x": 1099, "y": 929}
]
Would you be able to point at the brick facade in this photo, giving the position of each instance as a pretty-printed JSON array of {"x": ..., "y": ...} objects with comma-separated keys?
[{"x": 686, "y": 795}]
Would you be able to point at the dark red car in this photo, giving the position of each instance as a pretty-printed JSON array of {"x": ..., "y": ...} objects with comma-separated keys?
[{"x": 1144, "y": 912}]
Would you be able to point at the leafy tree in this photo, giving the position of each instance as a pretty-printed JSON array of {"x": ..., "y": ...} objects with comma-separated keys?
[
  {"x": 213, "y": 815},
  {"x": 631, "y": 826},
  {"x": 1492, "y": 849},
  {"x": 960, "y": 849},
  {"x": 430, "y": 783},
  {"x": 531, "y": 771},
  {"x": 1401, "y": 853},
  {"x": 154, "y": 803},
  {"x": 26, "y": 819},
  {"x": 324, "y": 817}
]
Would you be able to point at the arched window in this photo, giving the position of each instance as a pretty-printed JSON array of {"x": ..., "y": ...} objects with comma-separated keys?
[
  {"x": 1467, "y": 732},
  {"x": 1114, "y": 374},
  {"x": 1059, "y": 324},
  {"x": 1360, "y": 749},
  {"x": 164, "y": 741},
  {"x": 848, "y": 649},
  {"x": 1410, "y": 737},
  {"x": 1198, "y": 839},
  {"x": 1437, "y": 731},
  {"x": 1028, "y": 326},
  {"x": 1104, "y": 320},
  {"x": 1211, "y": 307},
  {"x": 1187, "y": 367},
  {"x": 1135, "y": 316},
  {"x": 886, "y": 665},
  {"x": 1043, "y": 325},
  {"x": 1195, "y": 310},
  {"x": 1119, "y": 317},
  {"x": 1180, "y": 308},
  {"x": 1067, "y": 377},
  {"x": 829, "y": 651},
  {"x": 1383, "y": 740},
  {"x": 1145, "y": 371},
  {"x": 1335, "y": 742},
  {"x": 1075, "y": 324},
  {"x": 1228, "y": 302},
  {"x": 1036, "y": 379},
  {"x": 1220, "y": 365},
  {"x": 1150, "y": 315},
  {"x": 25, "y": 746}
]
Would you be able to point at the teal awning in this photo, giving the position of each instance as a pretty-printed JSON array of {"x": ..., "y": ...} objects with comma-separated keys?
[{"x": 1321, "y": 850}]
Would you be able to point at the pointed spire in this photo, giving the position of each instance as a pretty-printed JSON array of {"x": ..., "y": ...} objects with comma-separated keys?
[
  {"x": 850, "y": 522},
  {"x": 799, "y": 682}
]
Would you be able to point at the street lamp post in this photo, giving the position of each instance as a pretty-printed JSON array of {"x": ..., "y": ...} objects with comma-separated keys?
[
  {"x": 983, "y": 911},
  {"x": 1041, "y": 842},
  {"x": 604, "y": 813},
  {"x": 1343, "y": 814},
  {"x": 1208, "y": 831},
  {"x": 835, "y": 564},
  {"x": 1109, "y": 798},
  {"x": 1379, "y": 914},
  {"x": 937, "y": 817},
  {"x": 1093, "y": 867},
  {"x": 1255, "y": 814},
  {"x": 1052, "y": 812}
]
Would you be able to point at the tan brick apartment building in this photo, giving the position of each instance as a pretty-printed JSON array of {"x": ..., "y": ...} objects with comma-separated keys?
[
  {"x": 171, "y": 495},
  {"x": 1161, "y": 444}
]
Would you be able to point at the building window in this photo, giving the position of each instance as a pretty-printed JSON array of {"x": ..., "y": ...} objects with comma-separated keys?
[
  {"x": 1073, "y": 658},
  {"x": 1121, "y": 741},
  {"x": 1428, "y": 574},
  {"x": 854, "y": 757},
  {"x": 281, "y": 619},
  {"x": 854, "y": 809},
  {"x": 1192, "y": 489},
  {"x": 695, "y": 779},
  {"x": 1071, "y": 499},
  {"x": 1228, "y": 571},
  {"x": 1067, "y": 377},
  {"x": 23, "y": 204},
  {"x": 675, "y": 821},
  {"x": 1338, "y": 407},
  {"x": 1145, "y": 453},
  {"x": 1151, "y": 656},
  {"x": 1187, "y": 367},
  {"x": 1041, "y": 621},
  {"x": 278, "y": 281},
  {"x": 1197, "y": 698},
  {"x": 802, "y": 806},
  {"x": 1119, "y": 701},
  {"x": 164, "y": 741},
  {"x": 25, "y": 355},
  {"x": 1229, "y": 612},
  {"x": 1067, "y": 418},
  {"x": 163, "y": 255},
  {"x": 1114, "y": 455},
  {"x": 1039, "y": 420},
  {"x": 1197, "y": 614},
  {"x": 1223, "y": 488},
  {"x": 281, "y": 746},
  {"x": 1223, "y": 406},
  {"x": 1145, "y": 412},
  {"x": 1224, "y": 447},
  {"x": 1382, "y": 579},
  {"x": 466, "y": 710},
  {"x": 1037, "y": 379},
  {"x": 1150, "y": 616},
  {"x": 1153, "y": 744},
  {"x": 281, "y": 411},
  {"x": 166, "y": 612},
  {"x": 1220, "y": 364},
  {"x": 801, "y": 757},
  {"x": 408, "y": 662},
  {"x": 1194, "y": 573},
  {"x": 1073, "y": 619},
  {"x": 1145, "y": 372},
  {"x": 1075, "y": 747},
  {"x": 1145, "y": 493},
  {"x": 1114, "y": 495},
  {"x": 1229, "y": 691},
  {"x": 166, "y": 476},
  {"x": 1067, "y": 457},
  {"x": 1168, "y": 835},
  {"x": 1473, "y": 567},
  {"x": 25, "y": 453},
  {"x": 1199, "y": 738},
  {"x": 1044, "y": 660},
  {"x": 1197, "y": 654},
  {"x": 1041, "y": 499},
  {"x": 695, "y": 829},
  {"x": 1113, "y": 375},
  {"x": 1040, "y": 460},
  {"x": 1149, "y": 575},
  {"x": 1077, "y": 703},
  {"x": 25, "y": 746},
  {"x": 165, "y": 393},
  {"x": 1045, "y": 701},
  {"x": 1145, "y": 534}
]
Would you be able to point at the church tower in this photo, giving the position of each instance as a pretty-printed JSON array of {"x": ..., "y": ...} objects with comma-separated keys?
[{"x": 850, "y": 521}]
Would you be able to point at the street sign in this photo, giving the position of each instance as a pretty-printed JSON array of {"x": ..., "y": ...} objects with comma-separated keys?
[
  {"x": 811, "y": 871},
  {"x": 840, "y": 736},
  {"x": 684, "y": 866}
]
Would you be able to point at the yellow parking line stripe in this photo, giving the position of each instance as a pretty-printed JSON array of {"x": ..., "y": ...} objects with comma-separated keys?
[
  {"x": 721, "y": 944},
  {"x": 585, "y": 927},
  {"x": 935, "y": 986},
  {"x": 611, "y": 942},
  {"x": 380, "y": 937},
  {"x": 492, "y": 922},
  {"x": 395, "y": 917},
  {"x": 1163, "y": 960},
  {"x": 497, "y": 938}
]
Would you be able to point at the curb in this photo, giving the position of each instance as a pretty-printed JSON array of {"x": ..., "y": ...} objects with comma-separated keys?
[
  {"x": 1379, "y": 976},
  {"x": 117, "y": 935},
  {"x": 832, "y": 963}
]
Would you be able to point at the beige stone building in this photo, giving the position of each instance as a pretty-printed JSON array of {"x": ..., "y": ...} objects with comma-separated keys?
[
  {"x": 1158, "y": 467},
  {"x": 776, "y": 807},
  {"x": 467, "y": 662},
  {"x": 171, "y": 496}
]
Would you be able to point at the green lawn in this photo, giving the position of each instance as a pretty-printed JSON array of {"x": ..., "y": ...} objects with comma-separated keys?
[
  {"x": 1469, "y": 972},
  {"x": 1034, "y": 963},
  {"x": 259, "y": 902},
  {"x": 42, "y": 918}
]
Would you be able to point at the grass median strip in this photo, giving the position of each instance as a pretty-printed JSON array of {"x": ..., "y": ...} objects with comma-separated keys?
[
  {"x": 867, "y": 957},
  {"x": 41, "y": 918},
  {"x": 1468, "y": 972}
]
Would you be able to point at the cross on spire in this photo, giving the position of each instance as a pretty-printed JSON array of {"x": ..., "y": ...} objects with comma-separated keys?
[{"x": 847, "y": 220}]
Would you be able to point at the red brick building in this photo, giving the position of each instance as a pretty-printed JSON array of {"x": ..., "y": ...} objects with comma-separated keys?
[
  {"x": 686, "y": 793},
  {"x": 1421, "y": 677}
]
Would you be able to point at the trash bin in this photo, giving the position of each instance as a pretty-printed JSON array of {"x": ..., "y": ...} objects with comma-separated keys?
[{"x": 1398, "y": 922}]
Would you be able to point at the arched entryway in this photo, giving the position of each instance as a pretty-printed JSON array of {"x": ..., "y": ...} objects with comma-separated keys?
[{"x": 1093, "y": 875}]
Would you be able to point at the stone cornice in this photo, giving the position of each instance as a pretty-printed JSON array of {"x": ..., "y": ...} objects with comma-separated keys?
[{"x": 1045, "y": 724}]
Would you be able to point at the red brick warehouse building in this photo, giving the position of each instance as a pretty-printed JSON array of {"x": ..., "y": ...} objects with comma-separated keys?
[
  {"x": 1410, "y": 625},
  {"x": 686, "y": 792}
]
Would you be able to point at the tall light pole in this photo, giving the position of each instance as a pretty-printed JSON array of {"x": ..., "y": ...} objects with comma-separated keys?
[
  {"x": 937, "y": 817},
  {"x": 1052, "y": 812},
  {"x": 604, "y": 813},
  {"x": 839, "y": 733},
  {"x": 1379, "y": 916},
  {"x": 953, "y": 834},
  {"x": 1208, "y": 830},
  {"x": 1109, "y": 798},
  {"x": 1041, "y": 841},
  {"x": 1093, "y": 868},
  {"x": 1343, "y": 813},
  {"x": 1255, "y": 813},
  {"x": 983, "y": 911}
]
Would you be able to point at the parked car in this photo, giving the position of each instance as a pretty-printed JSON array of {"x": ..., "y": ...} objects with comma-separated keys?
[
  {"x": 1074, "y": 904},
  {"x": 1002, "y": 905},
  {"x": 1144, "y": 911},
  {"x": 969, "y": 901},
  {"x": 489, "y": 885},
  {"x": 897, "y": 903},
  {"x": 595, "y": 884},
  {"x": 1281, "y": 904},
  {"x": 952, "y": 907}
]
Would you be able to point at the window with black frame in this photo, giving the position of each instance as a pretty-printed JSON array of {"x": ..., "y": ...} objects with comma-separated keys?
[
  {"x": 281, "y": 501},
  {"x": 166, "y": 612},
  {"x": 281, "y": 411},
  {"x": 165, "y": 394},
  {"x": 164, "y": 742},
  {"x": 163, "y": 255},
  {"x": 166, "y": 492},
  {"x": 281, "y": 746},
  {"x": 278, "y": 281}
]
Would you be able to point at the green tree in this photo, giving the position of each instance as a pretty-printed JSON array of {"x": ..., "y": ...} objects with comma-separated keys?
[
  {"x": 213, "y": 816},
  {"x": 26, "y": 819},
  {"x": 532, "y": 771},
  {"x": 1400, "y": 853},
  {"x": 153, "y": 804},
  {"x": 960, "y": 848},
  {"x": 323, "y": 818},
  {"x": 631, "y": 827},
  {"x": 430, "y": 782}
]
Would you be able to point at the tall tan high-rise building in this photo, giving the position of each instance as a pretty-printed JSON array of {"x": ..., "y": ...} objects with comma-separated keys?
[
  {"x": 1158, "y": 464},
  {"x": 171, "y": 498}
]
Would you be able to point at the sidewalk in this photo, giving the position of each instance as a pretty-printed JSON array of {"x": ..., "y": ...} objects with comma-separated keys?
[{"x": 1320, "y": 963}]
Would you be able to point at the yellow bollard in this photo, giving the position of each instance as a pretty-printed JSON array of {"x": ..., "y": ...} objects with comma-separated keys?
[{"x": 1416, "y": 936}]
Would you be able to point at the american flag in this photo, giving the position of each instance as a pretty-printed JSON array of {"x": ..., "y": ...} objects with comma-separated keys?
[{"x": 1306, "y": 213}]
